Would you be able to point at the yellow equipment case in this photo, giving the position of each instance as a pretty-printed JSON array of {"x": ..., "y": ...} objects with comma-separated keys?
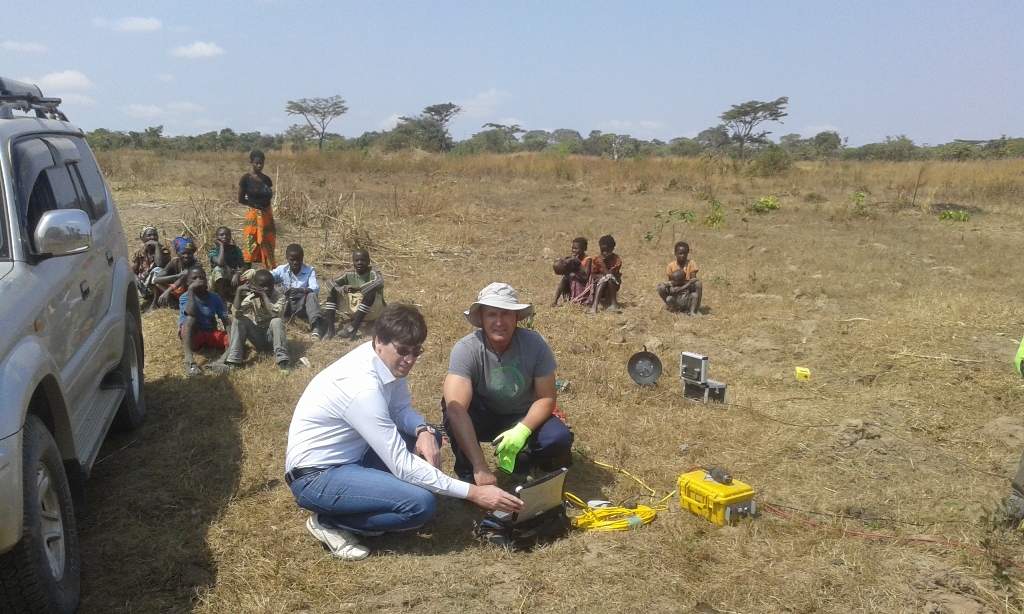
[{"x": 722, "y": 504}]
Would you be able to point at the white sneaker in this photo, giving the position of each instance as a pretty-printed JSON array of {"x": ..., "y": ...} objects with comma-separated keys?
[{"x": 342, "y": 544}]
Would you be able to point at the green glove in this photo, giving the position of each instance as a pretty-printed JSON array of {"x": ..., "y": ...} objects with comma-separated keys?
[
  {"x": 1019, "y": 357},
  {"x": 508, "y": 444}
]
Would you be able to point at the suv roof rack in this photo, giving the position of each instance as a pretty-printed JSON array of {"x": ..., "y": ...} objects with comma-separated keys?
[{"x": 16, "y": 95}]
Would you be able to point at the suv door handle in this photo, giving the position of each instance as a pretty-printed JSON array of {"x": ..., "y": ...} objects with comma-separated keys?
[
  {"x": 110, "y": 258},
  {"x": 84, "y": 287}
]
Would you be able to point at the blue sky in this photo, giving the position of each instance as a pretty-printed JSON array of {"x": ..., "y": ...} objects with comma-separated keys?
[{"x": 935, "y": 71}]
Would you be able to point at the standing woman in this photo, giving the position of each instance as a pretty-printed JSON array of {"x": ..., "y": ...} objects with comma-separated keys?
[{"x": 255, "y": 191}]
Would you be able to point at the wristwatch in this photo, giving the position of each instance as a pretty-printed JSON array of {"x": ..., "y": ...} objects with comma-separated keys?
[{"x": 423, "y": 427}]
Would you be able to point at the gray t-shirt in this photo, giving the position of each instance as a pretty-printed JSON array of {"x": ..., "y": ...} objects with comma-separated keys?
[{"x": 504, "y": 384}]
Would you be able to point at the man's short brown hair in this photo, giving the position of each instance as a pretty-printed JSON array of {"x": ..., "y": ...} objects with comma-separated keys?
[{"x": 402, "y": 323}]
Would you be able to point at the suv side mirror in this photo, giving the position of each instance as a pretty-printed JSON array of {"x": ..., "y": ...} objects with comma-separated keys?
[{"x": 62, "y": 233}]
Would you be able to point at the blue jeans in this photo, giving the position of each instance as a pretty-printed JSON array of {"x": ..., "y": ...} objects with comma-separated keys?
[
  {"x": 364, "y": 497},
  {"x": 548, "y": 448}
]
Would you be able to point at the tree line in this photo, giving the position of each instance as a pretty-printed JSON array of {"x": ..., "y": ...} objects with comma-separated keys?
[{"x": 740, "y": 135}]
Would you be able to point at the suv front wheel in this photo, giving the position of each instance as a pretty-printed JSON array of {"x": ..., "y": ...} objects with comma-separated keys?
[
  {"x": 43, "y": 572},
  {"x": 132, "y": 411}
]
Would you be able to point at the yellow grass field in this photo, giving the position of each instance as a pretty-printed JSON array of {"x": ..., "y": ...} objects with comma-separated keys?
[{"x": 908, "y": 430}]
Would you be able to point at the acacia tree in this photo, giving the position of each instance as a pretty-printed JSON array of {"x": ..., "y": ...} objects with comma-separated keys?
[
  {"x": 510, "y": 133},
  {"x": 428, "y": 130},
  {"x": 442, "y": 113},
  {"x": 741, "y": 119},
  {"x": 318, "y": 113}
]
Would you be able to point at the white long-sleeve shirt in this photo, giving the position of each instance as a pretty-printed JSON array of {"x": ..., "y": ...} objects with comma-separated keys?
[{"x": 354, "y": 404}]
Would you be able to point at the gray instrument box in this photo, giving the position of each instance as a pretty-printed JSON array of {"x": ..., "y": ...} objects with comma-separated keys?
[{"x": 693, "y": 370}]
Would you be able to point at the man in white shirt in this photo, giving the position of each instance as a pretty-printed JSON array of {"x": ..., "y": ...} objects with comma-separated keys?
[{"x": 359, "y": 457}]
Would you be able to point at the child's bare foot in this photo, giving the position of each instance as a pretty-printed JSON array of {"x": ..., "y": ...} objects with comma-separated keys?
[
  {"x": 614, "y": 308},
  {"x": 695, "y": 314}
]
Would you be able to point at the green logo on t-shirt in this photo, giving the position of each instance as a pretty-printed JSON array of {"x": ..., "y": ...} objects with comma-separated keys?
[{"x": 506, "y": 381}]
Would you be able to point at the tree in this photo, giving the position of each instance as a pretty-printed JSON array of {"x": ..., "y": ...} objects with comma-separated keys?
[
  {"x": 536, "y": 140},
  {"x": 510, "y": 133},
  {"x": 826, "y": 144},
  {"x": 429, "y": 130},
  {"x": 741, "y": 119},
  {"x": 298, "y": 135},
  {"x": 442, "y": 113},
  {"x": 714, "y": 138},
  {"x": 318, "y": 113},
  {"x": 898, "y": 148},
  {"x": 682, "y": 146},
  {"x": 421, "y": 132}
]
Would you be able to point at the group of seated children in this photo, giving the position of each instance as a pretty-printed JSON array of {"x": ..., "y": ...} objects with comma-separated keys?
[
  {"x": 590, "y": 281},
  {"x": 260, "y": 300}
]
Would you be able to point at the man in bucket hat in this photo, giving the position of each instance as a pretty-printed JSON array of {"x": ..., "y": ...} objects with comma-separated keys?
[{"x": 500, "y": 388}]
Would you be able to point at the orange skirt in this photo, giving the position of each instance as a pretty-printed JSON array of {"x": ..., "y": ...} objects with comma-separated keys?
[{"x": 258, "y": 247}]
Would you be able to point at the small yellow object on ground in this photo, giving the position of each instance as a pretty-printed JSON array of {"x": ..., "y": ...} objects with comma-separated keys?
[{"x": 803, "y": 373}]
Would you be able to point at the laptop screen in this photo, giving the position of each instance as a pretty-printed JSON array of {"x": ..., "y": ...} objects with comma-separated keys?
[{"x": 541, "y": 495}]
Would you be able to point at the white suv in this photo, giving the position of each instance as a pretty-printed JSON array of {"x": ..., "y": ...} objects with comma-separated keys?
[{"x": 71, "y": 353}]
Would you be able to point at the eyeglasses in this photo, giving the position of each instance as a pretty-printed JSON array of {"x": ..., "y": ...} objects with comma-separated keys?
[{"x": 404, "y": 351}]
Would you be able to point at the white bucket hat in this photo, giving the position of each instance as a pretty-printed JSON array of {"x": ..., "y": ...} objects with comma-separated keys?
[{"x": 499, "y": 295}]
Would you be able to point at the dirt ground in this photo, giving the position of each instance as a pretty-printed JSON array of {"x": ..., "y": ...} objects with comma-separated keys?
[{"x": 877, "y": 479}]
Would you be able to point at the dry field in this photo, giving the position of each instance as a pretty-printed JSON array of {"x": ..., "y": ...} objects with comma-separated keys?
[{"x": 910, "y": 427}]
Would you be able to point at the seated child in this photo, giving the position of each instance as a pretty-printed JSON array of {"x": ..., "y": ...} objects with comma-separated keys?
[
  {"x": 574, "y": 279},
  {"x": 226, "y": 263},
  {"x": 358, "y": 293},
  {"x": 170, "y": 283},
  {"x": 258, "y": 320},
  {"x": 149, "y": 261},
  {"x": 301, "y": 289},
  {"x": 605, "y": 275},
  {"x": 197, "y": 324},
  {"x": 684, "y": 296}
]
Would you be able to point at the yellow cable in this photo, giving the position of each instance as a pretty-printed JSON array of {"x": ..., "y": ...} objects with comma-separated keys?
[{"x": 611, "y": 518}]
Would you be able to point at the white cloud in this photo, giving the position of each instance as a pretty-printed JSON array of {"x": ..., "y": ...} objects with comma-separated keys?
[
  {"x": 165, "y": 78},
  {"x": 183, "y": 108},
  {"x": 650, "y": 125},
  {"x": 616, "y": 126},
  {"x": 390, "y": 122},
  {"x": 22, "y": 47},
  {"x": 197, "y": 50},
  {"x": 66, "y": 80},
  {"x": 138, "y": 24},
  {"x": 483, "y": 104},
  {"x": 77, "y": 99},
  {"x": 206, "y": 124},
  {"x": 812, "y": 131},
  {"x": 142, "y": 110},
  {"x": 99, "y": 22}
]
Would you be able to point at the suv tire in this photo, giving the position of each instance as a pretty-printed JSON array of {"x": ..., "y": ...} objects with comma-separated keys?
[
  {"x": 43, "y": 572},
  {"x": 132, "y": 411}
]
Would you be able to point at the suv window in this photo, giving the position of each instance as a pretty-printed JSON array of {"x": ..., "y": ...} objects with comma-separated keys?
[
  {"x": 92, "y": 179},
  {"x": 51, "y": 176}
]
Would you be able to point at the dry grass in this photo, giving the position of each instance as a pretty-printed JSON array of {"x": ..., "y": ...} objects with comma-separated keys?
[{"x": 191, "y": 513}]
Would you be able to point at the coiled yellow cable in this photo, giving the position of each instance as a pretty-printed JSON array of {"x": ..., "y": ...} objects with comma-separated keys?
[{"x": 611, "y": 518}]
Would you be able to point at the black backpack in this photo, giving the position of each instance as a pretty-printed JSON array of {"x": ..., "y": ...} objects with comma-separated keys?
[{"x": 542, "y": 529}]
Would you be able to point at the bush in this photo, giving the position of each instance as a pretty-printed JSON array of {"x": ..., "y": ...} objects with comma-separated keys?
[
  {"x": 773, "y": 160},
  {"x": 764, "y": 205},
  {"x": 954, "y": 216},
  {"x": 716, "y": 215}
]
